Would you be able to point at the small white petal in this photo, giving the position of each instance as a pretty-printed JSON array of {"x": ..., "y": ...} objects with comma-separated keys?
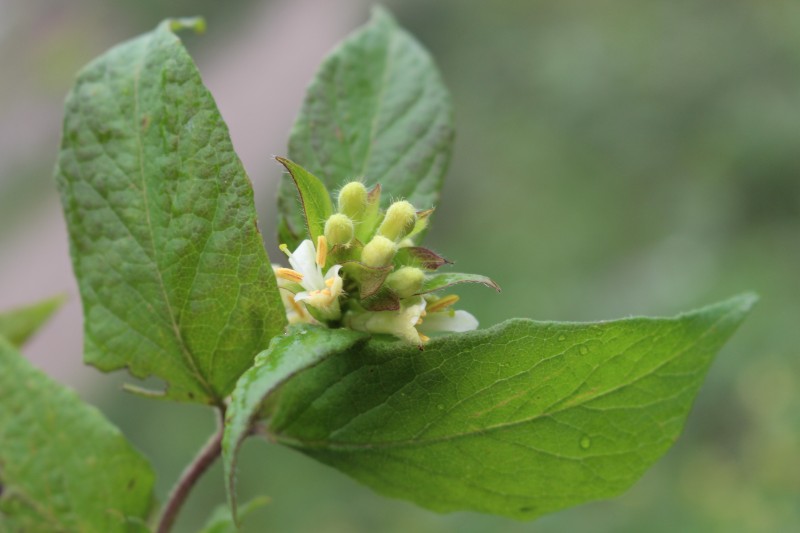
[
  {"x": 333, "y": 271},
  {"x": 304, "y": 261},
  {"x": 302, "y": 296},
  {"x": 458, "y": 322}
]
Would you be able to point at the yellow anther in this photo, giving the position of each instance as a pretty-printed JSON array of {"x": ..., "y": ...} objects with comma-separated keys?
[
  {"x": 419, "y": 321},
  {"x": 322, "y": 250},
  {"x": 289, "y": 274},
  {"x": 329, "y": 282},
  {"x": 442, "y": 303},
  {"x": 285, "y": 249},
  {"x": 326, "y": 292},
  {"x": 424, "y": 338},
  {"x": 297, "y": 307}
]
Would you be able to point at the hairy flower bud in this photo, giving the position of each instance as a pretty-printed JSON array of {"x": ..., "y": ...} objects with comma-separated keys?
[
  {"x": 339, "y": 229},
  {"x": 353, "y": 200},
  {"x": 406, "y": 281},
  {"x": 399, "y": 221},
  {"x": 378, "y": 252}
]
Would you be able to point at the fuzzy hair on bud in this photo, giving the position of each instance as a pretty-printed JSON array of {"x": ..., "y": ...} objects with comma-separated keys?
[
  {"x": 378, "y": 252},
  {"x": 353, "y": 200},
  {"x": 400, "y": 219},
  {"x": 339, "y": 229},
  {"x": 406, "y": 281}
]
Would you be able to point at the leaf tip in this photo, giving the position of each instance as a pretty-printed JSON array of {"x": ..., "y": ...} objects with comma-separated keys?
[
  {"x": 379, "y": 13},
  {"x": 198, "y": 24}
]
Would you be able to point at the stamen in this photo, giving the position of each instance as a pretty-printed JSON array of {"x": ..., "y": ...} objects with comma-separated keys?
[
  {"x": 289, "y": 274},
  {"x": 285, "y": 249},
  {"x": 443, "y": 303},
  {"x": 297, "y": 307},
  {"x": 322, "y": 250},
  {"x": 326, "y": 292},
  {"x": 329, "y": 282},
  {"x": 424, "y": 338},
  {"x": 419, "y": 321}
]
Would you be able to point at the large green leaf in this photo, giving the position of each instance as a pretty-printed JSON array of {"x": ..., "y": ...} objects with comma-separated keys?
[
  {"x": 299, "y": 349},
  {"x": 521, "y": 419},
  {"x": 18, "y": 325},
  {"x": 377, "y": 110},
  {"x": 63, "y": 466},
  {"x": 173, "y": 274}
]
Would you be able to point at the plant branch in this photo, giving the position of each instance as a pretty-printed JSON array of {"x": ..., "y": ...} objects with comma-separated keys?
[{"x": 204, "y": 459}]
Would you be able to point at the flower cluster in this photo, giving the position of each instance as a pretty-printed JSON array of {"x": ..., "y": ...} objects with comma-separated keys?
[{"x": 365, "y": 272}]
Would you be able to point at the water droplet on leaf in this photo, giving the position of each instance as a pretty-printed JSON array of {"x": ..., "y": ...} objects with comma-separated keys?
[
  {"x": 586, "y": 442},
  {"x": 562, "y": 337}
]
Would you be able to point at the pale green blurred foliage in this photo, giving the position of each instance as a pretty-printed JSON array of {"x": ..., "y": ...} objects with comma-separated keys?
[{"x": 612, "y": 159}]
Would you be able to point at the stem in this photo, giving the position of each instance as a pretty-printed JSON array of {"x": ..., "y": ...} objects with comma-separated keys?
[{"x": 204, "y": 459}]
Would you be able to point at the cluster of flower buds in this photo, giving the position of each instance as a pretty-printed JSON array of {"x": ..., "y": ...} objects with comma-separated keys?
[{"x": 375, "y": 278}]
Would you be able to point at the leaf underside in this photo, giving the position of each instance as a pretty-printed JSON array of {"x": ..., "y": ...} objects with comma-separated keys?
[
  {"x": 63, "y": 466},
  {"x": 378, "y": 111},
  {"x": 287, "y": 355},
  {"x": 172, "y": 271},
  {"x": 519, "y": 420}
]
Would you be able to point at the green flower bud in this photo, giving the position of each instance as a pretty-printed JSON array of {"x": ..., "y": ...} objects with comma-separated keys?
[
  {"x": 400, "y": 219},
  {"x": 406, "y": 282},
  {"x": 339, "y": 229},
  {"x": 353, "y": 199},
  {"x": 378, "y": 252}
]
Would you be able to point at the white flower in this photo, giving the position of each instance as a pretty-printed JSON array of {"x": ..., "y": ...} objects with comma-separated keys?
[
  {"x": 321, "y": 292},
  {"x": 401, "y": 323},
  {"x": 412, "y": 321},
  {"x": 448, "y": 320}
]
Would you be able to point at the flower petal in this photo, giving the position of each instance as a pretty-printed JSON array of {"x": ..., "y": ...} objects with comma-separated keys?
[
  {"x": 458, "y": 321},
  {"x": 304, "y": 261}
]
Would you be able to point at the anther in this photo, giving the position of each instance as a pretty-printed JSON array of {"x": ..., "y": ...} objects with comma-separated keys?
[
  {"x": 442, "y": 303},
  {"x": 322, "y": 250},
  {"x": 289, "y": 275}
]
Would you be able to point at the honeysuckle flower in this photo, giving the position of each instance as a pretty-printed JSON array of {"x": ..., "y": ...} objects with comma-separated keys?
[
  {"x": 401, "y": 323},
  {"x": 321, "y": 292},
  {"x": 392, "y": 283},
  {"x": 441, "y": 317},
  {"x": 455, "y": 321},
  {"x": 415, "y": 319},
  {"x": 296, "y": 312}
]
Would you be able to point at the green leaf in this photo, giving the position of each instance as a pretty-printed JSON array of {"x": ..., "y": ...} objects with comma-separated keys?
[
  {"x": 18, "y": 325},
  {"x": 287, "y": 355},
  {"x": 519, "y": 420},
  {"x": 437, "y": 282},
  {"x": 172, "y": 271},
  {"x": 63, "y": 466},
  {"x": 314, "y": 198},
  {"x": 377, "y": 110}
]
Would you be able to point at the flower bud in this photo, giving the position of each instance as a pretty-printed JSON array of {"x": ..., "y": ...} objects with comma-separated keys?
[
  {"x": 339, "y": 229},
  {"x": 406, "y": 282},
  {"x": 353, "y": 199},
  {"x": 399, "y": 220},
  {"x": 378, "y": 252}
]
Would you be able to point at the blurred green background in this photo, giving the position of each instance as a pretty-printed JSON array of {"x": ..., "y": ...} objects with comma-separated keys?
[{"x": 613, "y": 158}]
